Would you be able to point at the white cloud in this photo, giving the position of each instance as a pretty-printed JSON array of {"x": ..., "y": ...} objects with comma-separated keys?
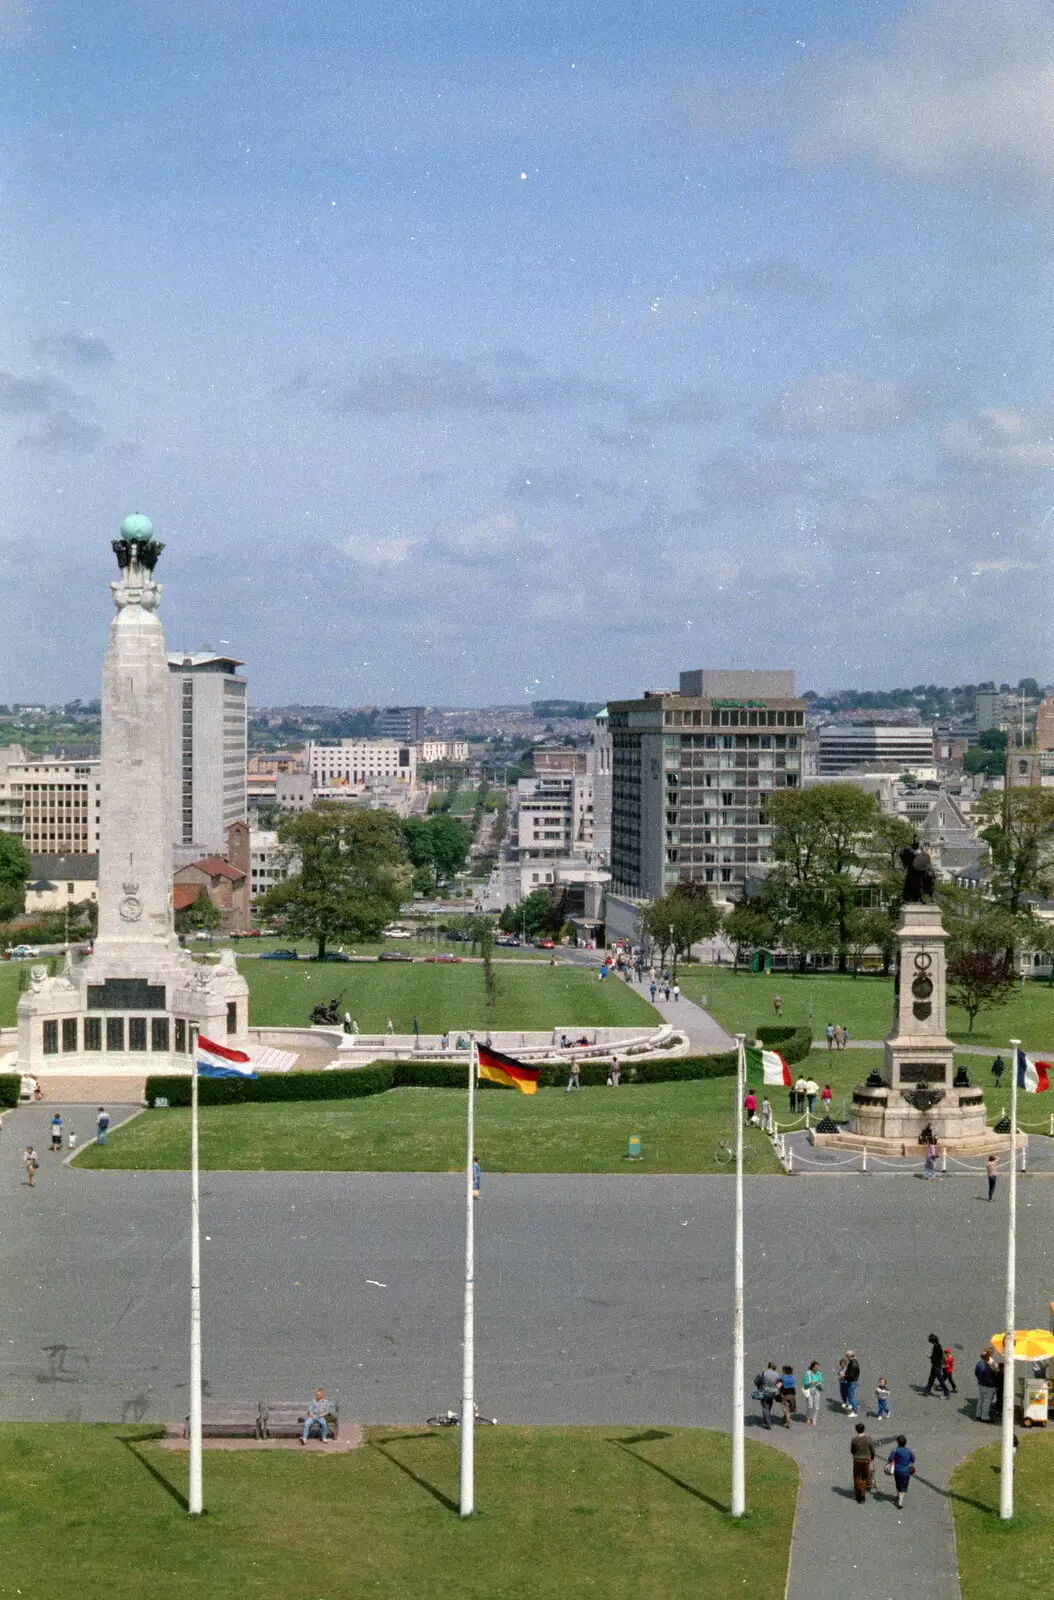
[
  {"x": 377, "y": 555},
  {"x": 839, "y": 402},
  {"x": 490, "y": 535},
  {"x": 1002, "y": 439}
]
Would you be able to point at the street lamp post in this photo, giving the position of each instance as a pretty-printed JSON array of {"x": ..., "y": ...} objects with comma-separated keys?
[
  {"x": 739, "y": 1489},
  {"x": 1006, "y": 1469}
]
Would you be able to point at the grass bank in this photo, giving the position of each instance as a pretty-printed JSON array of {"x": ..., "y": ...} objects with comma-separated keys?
[
  {"x": 423, "y": 1130},
  {"x": 442, "y": 997},
  {"x": 562, "y": 1512},
  {"x": 1004, "y": 1560}
]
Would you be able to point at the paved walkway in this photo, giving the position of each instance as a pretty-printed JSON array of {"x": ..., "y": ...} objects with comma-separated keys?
[{"x": 706, "y": 1036}]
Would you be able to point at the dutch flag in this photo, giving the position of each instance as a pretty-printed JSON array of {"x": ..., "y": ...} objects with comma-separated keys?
[
  {"x": 1033, "y": 1076},
  {"x": 218, "y": 1061}
]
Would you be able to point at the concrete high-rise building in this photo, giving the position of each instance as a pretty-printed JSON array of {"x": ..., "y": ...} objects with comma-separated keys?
[
  {"x": 691, "y": 772},
  {"x": 405, "y": 723},
  {"x": 600, "y": 765},
  {"x": 987, "y": 709},
  {"x": 52, "y": 804},
  {"x": 1045, "y": 725},
  {"x": 852, "y": 746},
  {"x": 355, "y": 761},
  {"x": 209, "y": 722}
]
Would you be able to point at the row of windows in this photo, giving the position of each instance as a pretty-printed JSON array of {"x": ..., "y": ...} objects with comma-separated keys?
[
  {"x": 137, "y": 1031},
  {"x": 762, "y": 717}
]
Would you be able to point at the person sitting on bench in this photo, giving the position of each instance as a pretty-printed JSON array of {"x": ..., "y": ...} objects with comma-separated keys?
[{"x": 316, "y": 1416}]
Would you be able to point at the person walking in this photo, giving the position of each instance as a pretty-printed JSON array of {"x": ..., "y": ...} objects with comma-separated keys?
[
  {"x": 750, "y": 1108},
  {"x": 948, "y": 1370},
  {"x": 838, "y": 1035},
  {"x": 389, "y": 1027},
  {"x": 766, "y": 1115},
  {"x": 843, "y": 1383},
  {"x": 653, "y": 989},
  {"x": 936, "y": 1367},
  {"x": 929, "y": 1166},
  {"x": 998, "y": 1068},
  {"x": 826, "y": 1096},
  {"x": 788, "y": 1395},
  {"x": 777, "y": 1003},
  {"x": 56, "y": 1133},
  {"x": 799, "y": 1092},
  {"x": 812, "y": 1388},
  {"x": 666, "y": 992},
  {"x": 30, "y": 1163},
  {"x": 769, "y": 1389},
  {"x": 102, "y": 1125},
  {"x": 991, "y": 1167},
  {"x": 900, "y": 1463},
  {"x": 676, "y": 991},
  {"x": 852, "y": 1378},
  {"x": 812, "y": 1089},
  {"x": 616, "y": 1072},
  {"x": 829, "y": 1032},
  {"x": 845, "y": 1037},
  {"x": 347, "y": 1022},
  {"x": 573, "y": 1081},
  {"x": 882, "y": 1398},
  {"x": 984, "y": 1375},
  {"x": 862, "y": 1450}
]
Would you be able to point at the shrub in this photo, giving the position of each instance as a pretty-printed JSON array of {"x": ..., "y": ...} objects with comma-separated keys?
[
  {"x": 793, "y": 1044},
  {"x": 341, "y": 1084},
  {"x": 10, "y": 1085}
]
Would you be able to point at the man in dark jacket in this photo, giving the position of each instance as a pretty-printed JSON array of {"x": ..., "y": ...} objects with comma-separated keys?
[
  {"x": 862, "y": 1450},
  {"x": 984, "y": 1372},
  {"x": 852, "y": 1378},
  {"x": 936, "y": 1367}
]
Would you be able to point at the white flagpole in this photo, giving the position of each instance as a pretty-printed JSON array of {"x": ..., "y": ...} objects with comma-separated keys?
[
  {"x": 739, "y": 1488},
  {"x": 1006, "y": 1472},
  {"x": 466, "y": 1485},
  {"x": 194, "y": 1495}
]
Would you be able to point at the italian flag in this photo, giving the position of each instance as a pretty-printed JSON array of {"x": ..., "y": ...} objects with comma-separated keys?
[
  {"x": 1032, "y": 1075},
  {"x": 770, "y": 1064}
]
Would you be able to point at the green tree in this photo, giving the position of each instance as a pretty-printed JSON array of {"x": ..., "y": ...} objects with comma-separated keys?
[
  {"x": 438, "y": 847},
  {"x": 533, "y": 917},
  {"x": 979, "y": 981},
  {"x": 202, "y": 915},
  {"x": 680, "y": 919},
  {"x": 822, "y": 839},
  {"x": 352, "y": 874},
  {"x": 748, "y": 928},
  {"x": 15, "y": 867},
  {"x": 1018, "y": 826}
]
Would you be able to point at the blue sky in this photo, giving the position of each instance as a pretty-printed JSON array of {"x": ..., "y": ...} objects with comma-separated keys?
[{"x": 474, "y": 352}]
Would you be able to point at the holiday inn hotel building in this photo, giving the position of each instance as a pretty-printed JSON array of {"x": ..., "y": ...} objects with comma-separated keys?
[{"x": 691, "y": 773}]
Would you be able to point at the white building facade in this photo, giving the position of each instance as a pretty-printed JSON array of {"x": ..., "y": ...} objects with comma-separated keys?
[
  {"x": 208, "y": 712},
  {"x": 355, "y": 761}
]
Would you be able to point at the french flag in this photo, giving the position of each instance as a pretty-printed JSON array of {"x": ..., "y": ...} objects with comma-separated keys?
[
  {"x": 218, "y": 1061},
  {"x": 1033, "y": 1076}
]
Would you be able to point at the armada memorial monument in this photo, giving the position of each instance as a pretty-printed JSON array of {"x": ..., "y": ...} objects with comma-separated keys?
[
  {"x": 920, "y": 1096},
  {"x": 137, "y": 1003}
]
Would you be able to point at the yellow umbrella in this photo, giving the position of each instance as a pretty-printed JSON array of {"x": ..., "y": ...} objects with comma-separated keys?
[{"x": 1030, "y": 1344}]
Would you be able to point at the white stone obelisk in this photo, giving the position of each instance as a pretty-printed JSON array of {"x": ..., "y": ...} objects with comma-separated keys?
[{"x": 135, "y": 845}]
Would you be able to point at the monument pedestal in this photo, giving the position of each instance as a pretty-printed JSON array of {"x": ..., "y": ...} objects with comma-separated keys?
[{"x": 921, "y": 1098}]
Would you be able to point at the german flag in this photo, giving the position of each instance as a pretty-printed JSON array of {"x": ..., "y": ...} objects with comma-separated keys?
[{"x": 497, "y": 1068}]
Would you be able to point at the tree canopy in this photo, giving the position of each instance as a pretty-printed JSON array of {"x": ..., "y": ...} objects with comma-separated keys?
[
  {"x": 15, "y": 867},
  {"x": 353, "y": 874},
  {"x": 438, "y": 849},
  {"x": 823, "y": 842},
  {"x": 1018, "y": 825}
]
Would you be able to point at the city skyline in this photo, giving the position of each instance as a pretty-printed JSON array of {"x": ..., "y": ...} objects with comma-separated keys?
[{"x": 506, "y": 350}]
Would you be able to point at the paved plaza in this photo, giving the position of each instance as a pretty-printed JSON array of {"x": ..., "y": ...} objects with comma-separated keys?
[{"x": 600, "y": 1300}]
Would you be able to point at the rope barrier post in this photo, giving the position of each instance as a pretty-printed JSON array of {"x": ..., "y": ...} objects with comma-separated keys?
[
  {"x": 1052, "y": 1125},
  {"x": 808, "y": 1124},
  {"x": 1024, "y": 1158},
  {"x": 944, "y": 1162},
  {"x": 790, "y": 1161},
  {"x": 863, "y": 1159}
]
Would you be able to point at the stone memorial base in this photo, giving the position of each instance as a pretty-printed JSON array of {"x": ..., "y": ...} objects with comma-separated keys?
[{"x": 893, "y": 1122}]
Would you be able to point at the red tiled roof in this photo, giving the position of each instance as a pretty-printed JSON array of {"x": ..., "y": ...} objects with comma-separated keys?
[
  {"x": 217, "y": 867},
  {"x": 185, "y": 894}
]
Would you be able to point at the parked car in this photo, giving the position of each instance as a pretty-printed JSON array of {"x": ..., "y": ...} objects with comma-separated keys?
[
  {"x": 545, "y": 944},
  {"x": 508, "y": 941},
  {"x": 247, "y": 933},
  {"x": 23, "y": 952},
  {"x": 445, "y": 956},
  {"x": 395, "y": 955},
  {"x": 333, "y": 955},
  {"x": 397, "y": 933},
  {"x": 279, "y": 955}
]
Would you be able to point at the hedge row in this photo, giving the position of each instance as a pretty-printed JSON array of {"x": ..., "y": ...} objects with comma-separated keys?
[
  {"x": 347, "y": 1084},
  {"x": 10, "y": 1086},
  {"x": 793, "y": 1044}
]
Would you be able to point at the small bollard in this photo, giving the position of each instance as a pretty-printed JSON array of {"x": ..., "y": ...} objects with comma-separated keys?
[
  {"x": 863, "y": 1159},
  {"x": 633, "y": 1149},
  {"x": 944, "y": 1161},
  {"x": 1024, "y": 1158},
  {"x": 1052, "y": 1124},
  {"x": 808, "y": 1124},
  {"x": 790, "y": 1161}
]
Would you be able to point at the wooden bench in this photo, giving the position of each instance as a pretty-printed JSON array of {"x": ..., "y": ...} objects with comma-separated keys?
[
  {"x": 284, "y": 1419},
  {"x": 233, "y": 1420}
]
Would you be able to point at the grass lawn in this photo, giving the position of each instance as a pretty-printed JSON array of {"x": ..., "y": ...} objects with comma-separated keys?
[
  {"x": 370, "y": 949},
  {"x": 998, "y": 1560},
  {"x": 864, "y": 1005},
  {"x": 10, "y": 973},
  {"x": 528, "y": 997},
  {"x": 562, "y": 1512},
  {"x": 423, "y": 1130}
]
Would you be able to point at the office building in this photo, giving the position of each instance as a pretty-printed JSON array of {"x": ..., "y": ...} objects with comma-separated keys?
[
  {"x": 209, "y": 749},
  {"x": 353, "y": 761},
  {"x": 53, "y": 805},
  {"x": 1045, "y": 725},
  {"x": 433, "y": 750},
  {"x": 691, "y": 772},
  {"x": 856, "y": 746},
  {"x": 987, "y": 709},
  {"x": 405, "y": 723}
]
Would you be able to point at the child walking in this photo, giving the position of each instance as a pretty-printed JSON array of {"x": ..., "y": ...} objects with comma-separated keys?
[{"x": 882, "y": 1396}]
